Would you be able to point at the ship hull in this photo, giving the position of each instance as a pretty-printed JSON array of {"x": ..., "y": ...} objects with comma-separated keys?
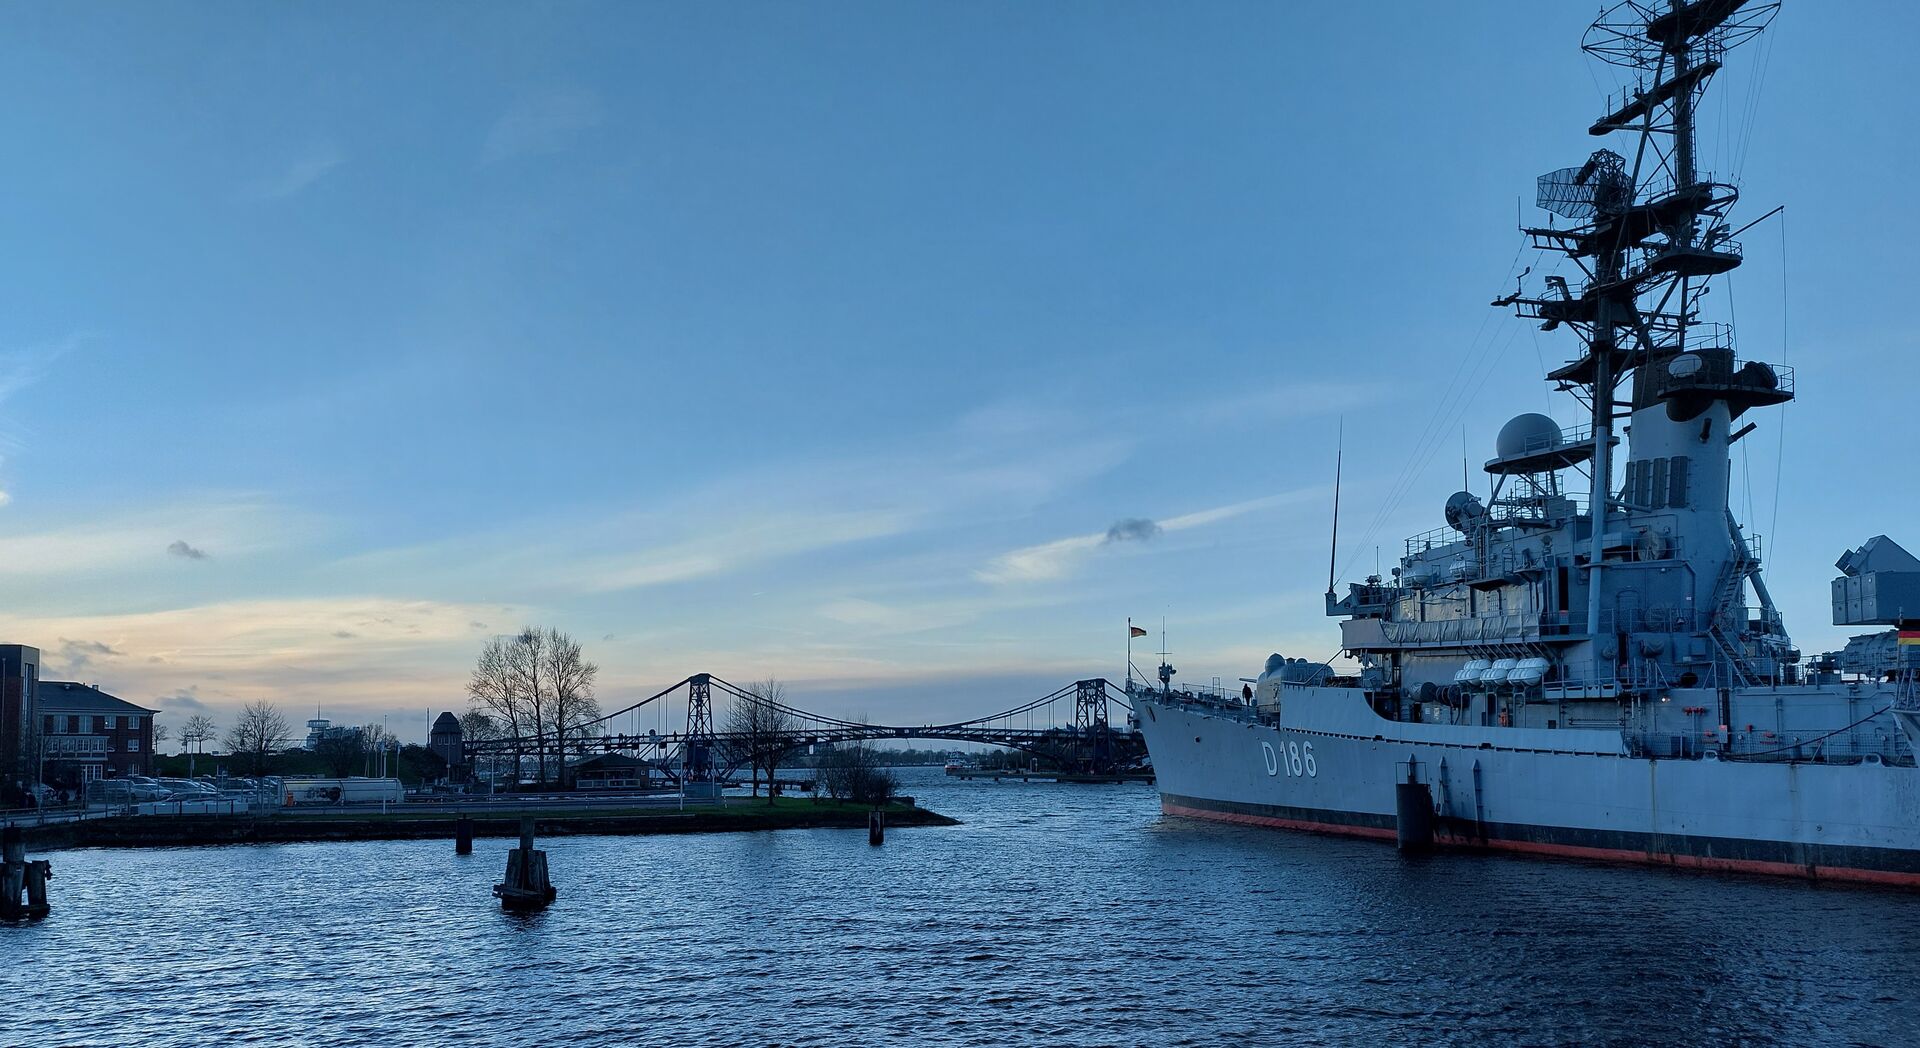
[{"x": 1331, "y": 765}]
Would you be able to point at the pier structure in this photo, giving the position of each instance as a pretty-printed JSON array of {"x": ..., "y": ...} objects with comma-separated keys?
[
  {"x": 1070, "y": 727},
  {"x": 20, "y": 877}
]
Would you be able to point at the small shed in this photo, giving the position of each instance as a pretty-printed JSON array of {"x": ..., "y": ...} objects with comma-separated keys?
[{"x": 611, "y": 771}]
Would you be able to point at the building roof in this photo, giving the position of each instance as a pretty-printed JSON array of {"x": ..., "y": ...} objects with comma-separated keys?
[
  {"x": 60, "y": 696},
  {"x": 608, "y": 762}
]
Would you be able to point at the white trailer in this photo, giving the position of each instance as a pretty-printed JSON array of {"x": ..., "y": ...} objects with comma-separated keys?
[{"x": 307, "y": 793}]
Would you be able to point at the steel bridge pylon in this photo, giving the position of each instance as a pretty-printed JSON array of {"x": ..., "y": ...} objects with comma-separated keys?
[
  {"x": 1090, "y": 724},
  {"x": 696, "y": 756}
]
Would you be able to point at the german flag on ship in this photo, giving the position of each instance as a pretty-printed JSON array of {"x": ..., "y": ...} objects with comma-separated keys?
[{"x": 1909, "y": 637}]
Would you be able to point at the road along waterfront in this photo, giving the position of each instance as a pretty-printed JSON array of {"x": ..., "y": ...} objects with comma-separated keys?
[{"x": 1058, "y": 914}]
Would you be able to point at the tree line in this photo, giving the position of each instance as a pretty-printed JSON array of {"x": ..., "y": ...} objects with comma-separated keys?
[
  {"x": 535, "y": 685},
  {"x": 259, "y": 741}
]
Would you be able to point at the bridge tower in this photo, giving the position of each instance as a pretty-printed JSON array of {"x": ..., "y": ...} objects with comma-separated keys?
[
  {"x": 696, "y": 755},
  {"x": 1090, "y": 724}
]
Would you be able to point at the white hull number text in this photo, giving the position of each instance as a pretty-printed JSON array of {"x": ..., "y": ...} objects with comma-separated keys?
[{"x": 1295, "y": 758}]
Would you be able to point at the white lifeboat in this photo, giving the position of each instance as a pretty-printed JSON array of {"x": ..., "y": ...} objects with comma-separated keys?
[{"x": 1528, "y": 672}]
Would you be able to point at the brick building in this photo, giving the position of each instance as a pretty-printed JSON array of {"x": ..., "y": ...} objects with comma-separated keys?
[{"x": 92, "y": 735}]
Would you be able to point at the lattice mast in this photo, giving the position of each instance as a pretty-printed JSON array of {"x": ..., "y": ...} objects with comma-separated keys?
[{"x": 1648, "y": 235}]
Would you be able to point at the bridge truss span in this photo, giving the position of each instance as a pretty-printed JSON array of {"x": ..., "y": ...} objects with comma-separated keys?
[{"x": 1075, "y": 731}]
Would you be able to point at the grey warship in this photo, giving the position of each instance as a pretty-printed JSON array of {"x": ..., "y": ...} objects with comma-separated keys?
[{"x": 1588, "y": 663}]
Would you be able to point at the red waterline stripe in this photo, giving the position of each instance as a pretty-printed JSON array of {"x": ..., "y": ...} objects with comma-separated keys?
[{"x": 1571, "y": 851}]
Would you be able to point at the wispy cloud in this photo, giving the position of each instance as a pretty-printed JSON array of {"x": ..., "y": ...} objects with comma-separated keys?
[
  {"x": 1041, "y": 563},
  {"x": 798, "y": 509},
  {"x": 22, "y": 367},
  {"x": 127, "y": 541},
  {"x": 1289, "y": 402},
  {"x": 295, "y": 652},
  {"x": 77, "y": 655},
  {"x": 314, "y": 163},
  {"x": 1059, "y": 558},
  {"x": 542, "y": 122}
]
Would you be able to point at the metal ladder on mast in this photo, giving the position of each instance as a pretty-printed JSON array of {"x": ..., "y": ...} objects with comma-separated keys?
[{"x": 1733, "y": 578}]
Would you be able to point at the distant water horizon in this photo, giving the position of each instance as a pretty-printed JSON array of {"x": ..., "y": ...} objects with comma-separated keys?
[{"x": 1056, "y": 914}]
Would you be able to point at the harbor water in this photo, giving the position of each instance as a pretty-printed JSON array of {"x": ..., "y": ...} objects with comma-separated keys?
[{"x": 1057, "y": 915}]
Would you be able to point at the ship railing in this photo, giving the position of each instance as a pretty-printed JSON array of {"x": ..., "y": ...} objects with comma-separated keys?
[
  {"x": 1505, "y": 560},
  {"x": 1878, "y": 738},
  {"x": 1658, "y": 618},
  {"x": 1482, "y": 629},
  {"x": 1898, "y": 665},
  {"x": 1434, "y": 538},
  {"x": 1572, "y": 436},
  {"x": 1578, "y": 683},
  {"x": 1705, "y": 336},
  {"x": 1524, "y": 506},
  {"x": 1755, "y": 546},
  {"x": 1563, "y": 623},
  {"x": 1722, "y": 370}
]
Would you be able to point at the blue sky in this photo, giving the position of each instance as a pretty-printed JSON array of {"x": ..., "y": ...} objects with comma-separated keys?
[{"x": 829, "y": 340}]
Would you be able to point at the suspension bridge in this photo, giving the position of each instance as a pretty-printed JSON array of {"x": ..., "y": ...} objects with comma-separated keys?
[{"x": 1075, "y": 731}]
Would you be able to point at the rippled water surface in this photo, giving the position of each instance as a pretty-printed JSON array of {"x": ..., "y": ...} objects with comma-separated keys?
[{"x": 1056, "y": 915}]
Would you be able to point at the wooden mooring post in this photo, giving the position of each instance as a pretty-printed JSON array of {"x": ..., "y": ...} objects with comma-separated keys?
[
  {"x": 18, "y": 876},
  {"x": 526, "y": 886},
  {"x": 463, "y": 835},
  {"x": 876, "y": 827}
]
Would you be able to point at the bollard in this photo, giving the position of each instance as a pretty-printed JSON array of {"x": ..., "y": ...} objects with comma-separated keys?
[
  {"x": 39, "y": 872},
  {"x": 463, "y": 835},
  {"x": 876, "y": 827},
  {"x": 13, "y": 872},
  {"x": 526, "y": 886}
]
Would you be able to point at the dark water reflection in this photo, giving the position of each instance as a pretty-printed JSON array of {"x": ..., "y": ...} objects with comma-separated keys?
[{"x": 1058, "y": 915}]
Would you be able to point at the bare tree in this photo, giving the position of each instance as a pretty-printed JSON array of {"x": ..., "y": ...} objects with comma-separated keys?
[
  {"x": 569, "y": 679},
  {"x": 259, "y": 733},
  {"x": 762, "y": 729},
  {"x": 855, "y": 771},
  {"x": 160, "y": 733},
  {"x": 198, "y": 731},
  {"x": 195, "y": 734},
  {"x": 493, "y": 698},
  {"x": 478, "y": 726},
  {"x": 526, "y": 668},
  {"x": 378, "y": 742},
  {"x": 536, "y": 684},
  {"x": 342, "y": 752}
]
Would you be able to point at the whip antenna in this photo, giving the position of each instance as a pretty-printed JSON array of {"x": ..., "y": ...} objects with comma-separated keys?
[{"x": 1333, "y": 551}]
